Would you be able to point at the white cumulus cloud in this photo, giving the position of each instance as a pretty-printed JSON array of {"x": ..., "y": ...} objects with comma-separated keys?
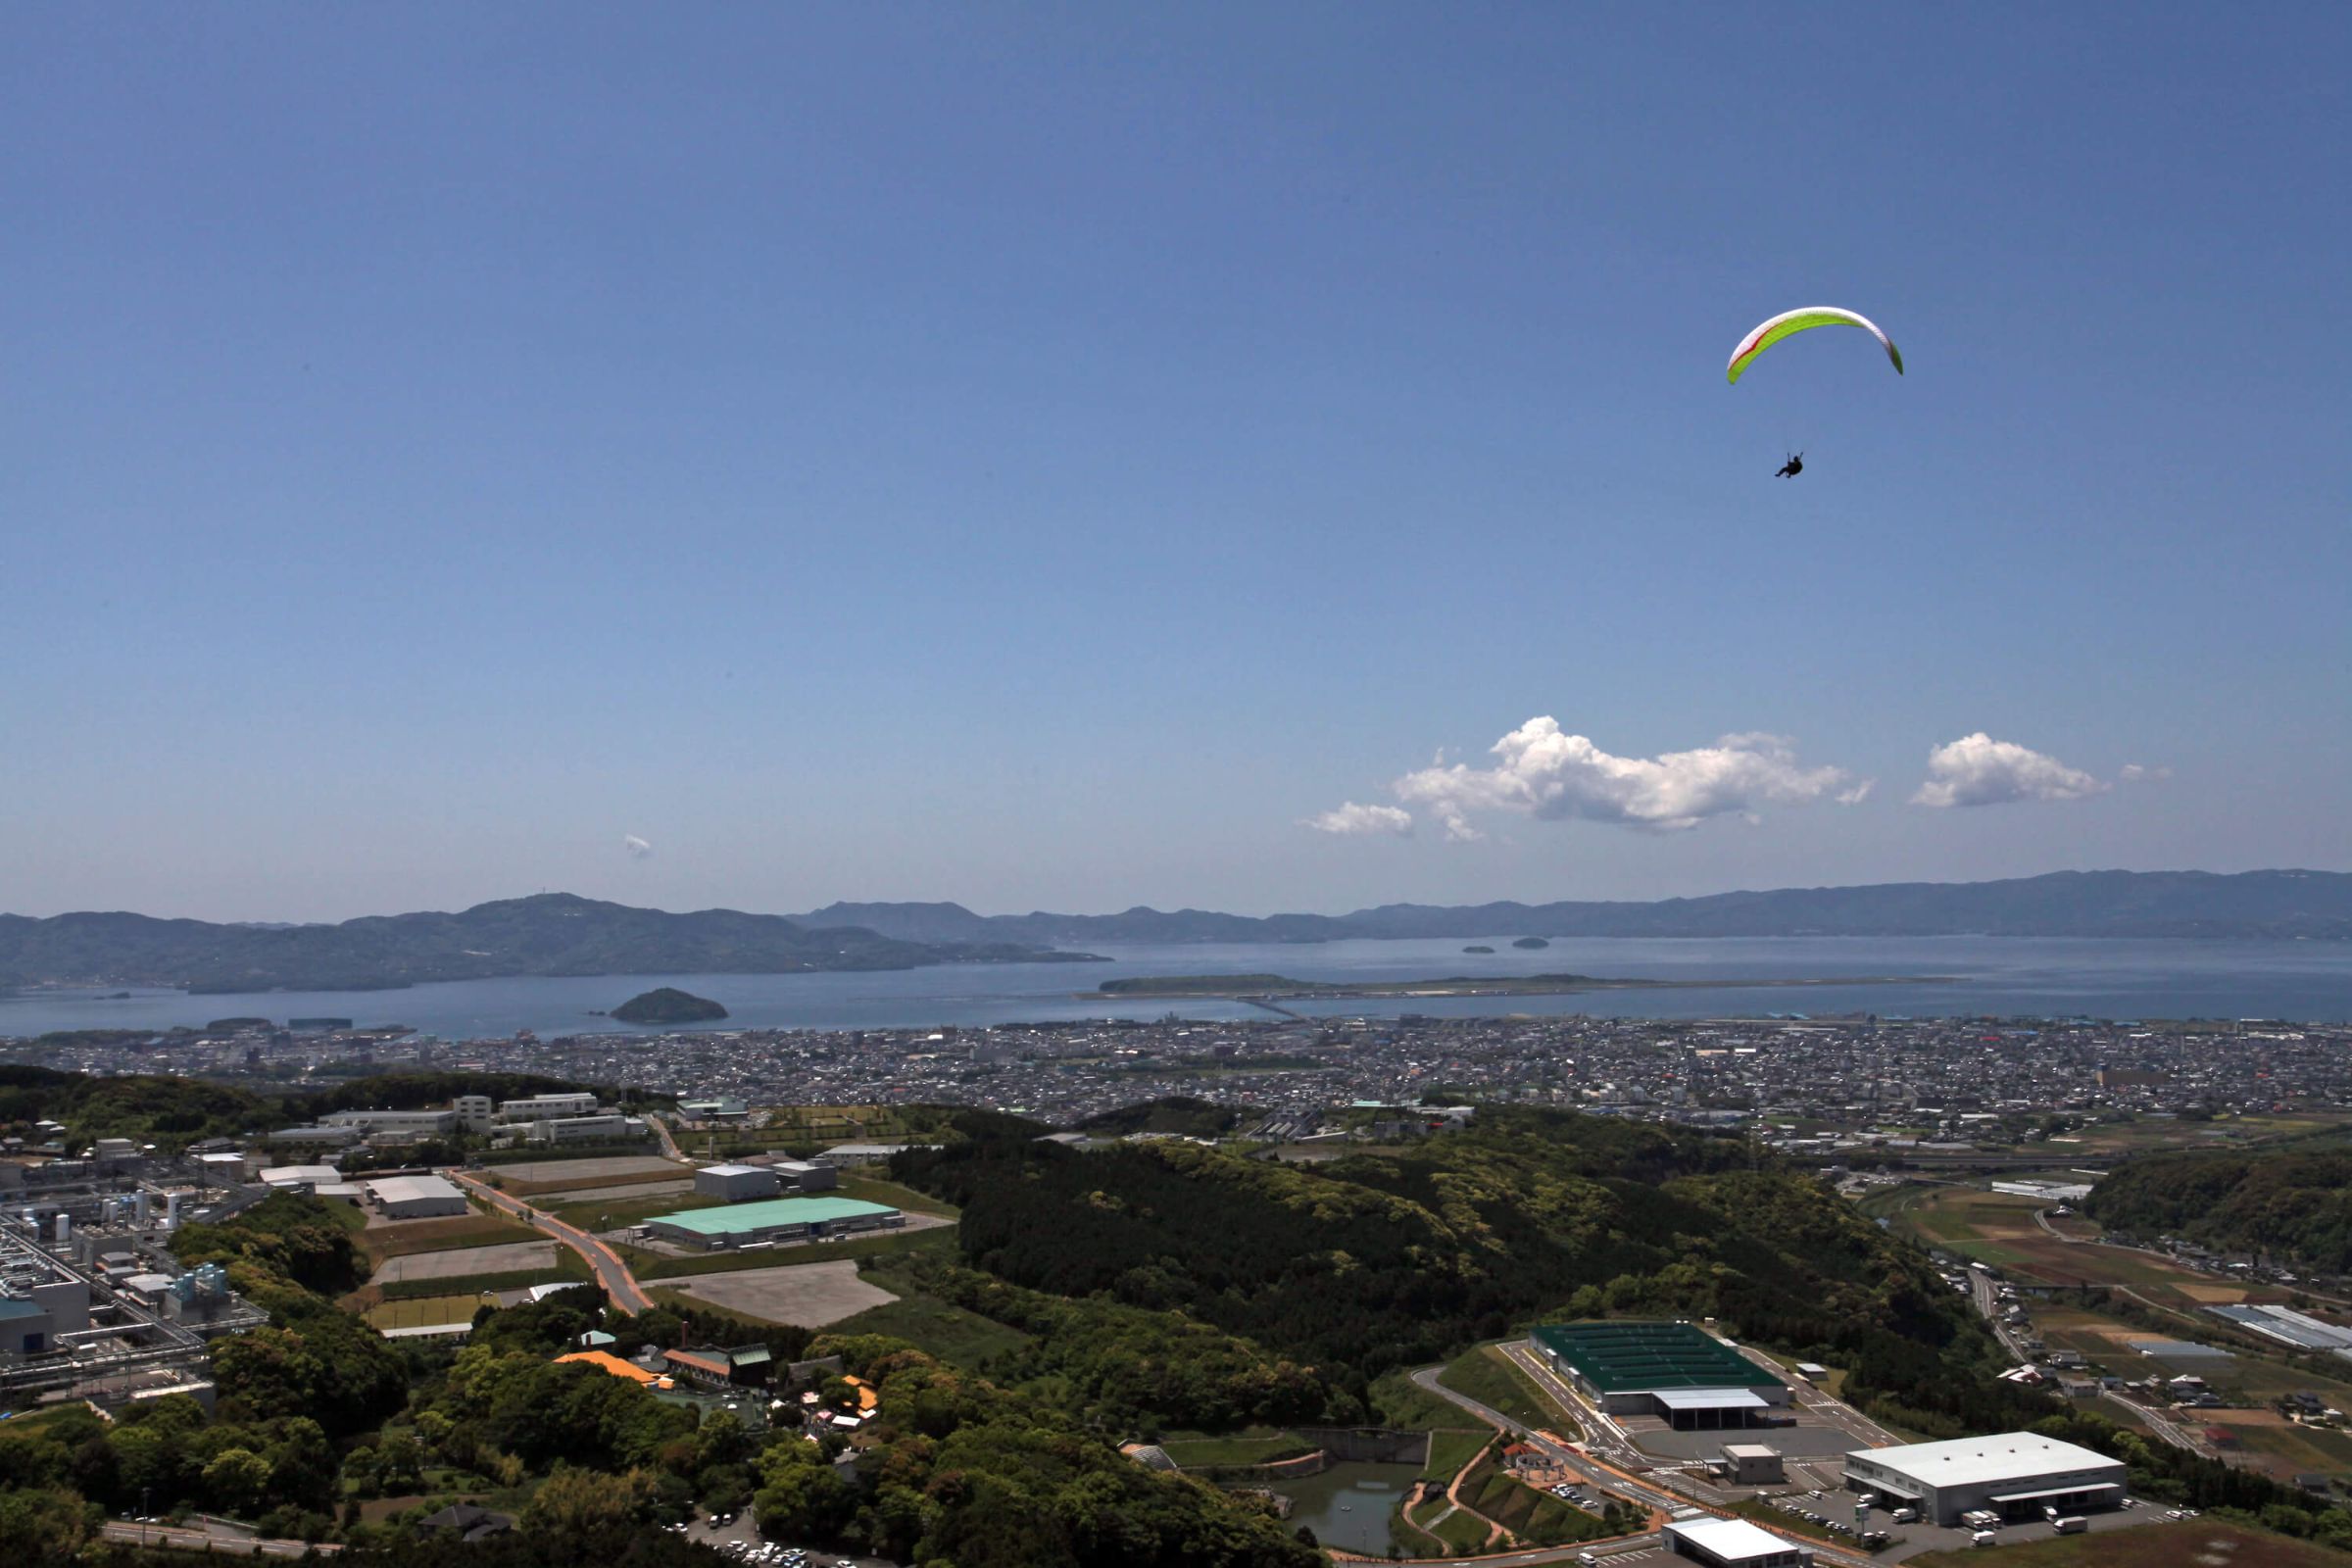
[
  {"x": 637, "y": 847},
  {"x": 1978, "y": 770},
  {"x": 1542, "y": 771},
  {"x": 1353, "y": 818}
]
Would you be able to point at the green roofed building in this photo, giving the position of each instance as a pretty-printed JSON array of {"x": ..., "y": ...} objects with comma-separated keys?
[
  {"x": 1674, "y": 1371},
  {"x": 781, "y": 1219}
]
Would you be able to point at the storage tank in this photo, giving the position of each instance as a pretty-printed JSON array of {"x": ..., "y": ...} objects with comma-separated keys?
[
  {"x": 171, "y": 1212},
  {"x": 65, "y": 1228},
  {"x": 138, "y": 1208}
]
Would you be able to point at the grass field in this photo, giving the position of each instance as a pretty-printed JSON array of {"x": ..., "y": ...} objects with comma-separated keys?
[
  {"x": 1486, "y": 1376},
  {"x": 424, "y": 1311},
  {"x": 1399, "y": 1401},
  {"x": 2204, "y": 1541},
  {"x": 1462, "y": 1534},
  {"x": 957, "y": 1337},
  {"x": 569, "y": 1267},
  {"x": 547, "y": 1186},
  {"x": 440, "y": 1235},
  {"x": 1450, "y": 1452},
  {"x": 1537, "y": 1517}
]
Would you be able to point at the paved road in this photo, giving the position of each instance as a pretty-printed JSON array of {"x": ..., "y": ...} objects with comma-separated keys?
[
  {"x": 176, "y": 1538},
  {"x": 611, "y": 1272}
]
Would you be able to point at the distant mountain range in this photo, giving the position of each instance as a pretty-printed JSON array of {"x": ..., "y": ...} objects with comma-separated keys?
[
  {"x": 559, "y": 934},
  {"x": 550, "y": 934},
  {"x": 2063, "y": 904}
]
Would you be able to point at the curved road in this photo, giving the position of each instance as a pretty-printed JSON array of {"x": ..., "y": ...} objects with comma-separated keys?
[{"x": 611, "y": 1272}]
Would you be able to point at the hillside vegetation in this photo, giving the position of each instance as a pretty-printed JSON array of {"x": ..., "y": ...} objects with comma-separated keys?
[
  {"x": 2295, "y": 1206},
  {"x": 550, "y": 934}
]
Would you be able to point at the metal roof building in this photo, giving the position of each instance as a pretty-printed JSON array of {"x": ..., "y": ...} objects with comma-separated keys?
[
  {"x": 2014, "y": 1474},
  {"x": 1674, "y": 1370},
  {"x": 415, "y": 1196},
  {"x": 779, "y": 1219},
  {"x": 1732, "y": 1544}
]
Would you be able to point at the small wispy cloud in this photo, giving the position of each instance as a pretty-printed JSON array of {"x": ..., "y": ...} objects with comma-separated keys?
[
  {"x": 636, "y": 846},
  {"x": 2136, "y": 773},
  {"x": 1353, "y": 818},
  {"x": 1978, "y": 770}
]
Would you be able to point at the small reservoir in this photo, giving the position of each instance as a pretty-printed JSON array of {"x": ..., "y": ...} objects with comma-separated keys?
[{"x": 1349, "y": 1505}]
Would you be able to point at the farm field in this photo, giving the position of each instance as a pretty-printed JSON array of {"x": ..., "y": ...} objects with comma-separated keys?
[
  {"x": 607, "y": 1170},
  {"x": 1998, "y": 1228},
  {"x": 2203, "y": 1543}
]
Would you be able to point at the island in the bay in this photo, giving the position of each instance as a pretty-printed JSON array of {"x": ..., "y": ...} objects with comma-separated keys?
[
  {"x": 669, "y": 1004},
  {"x": 1273, "y": 987},
  {"x": 1530, "y": 943},
  {"x": 1478, "y": 950}
]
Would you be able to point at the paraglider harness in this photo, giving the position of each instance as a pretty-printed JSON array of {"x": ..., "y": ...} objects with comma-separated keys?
[{"x": 1792, "y": 467}]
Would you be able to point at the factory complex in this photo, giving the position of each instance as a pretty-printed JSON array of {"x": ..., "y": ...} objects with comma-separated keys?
[
  {"x": 2016, "y": 1475},
  {"x": 1676, "y": 1371},
  {"x": 778, "y": 1219}
]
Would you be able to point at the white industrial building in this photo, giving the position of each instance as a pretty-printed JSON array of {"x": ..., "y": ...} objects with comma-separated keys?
[
  {"x": 2014, "y": 1474},
  {"x": 1752, "y": 1464},
  {"x": 1732, "y": 1544},
  {"x": 607, "y": 1129},
  {"x": 803, "y": 1177},
  {"x": 546, "y": 1107},
  {"x": 736, "y": 1184},
  {"x": 300, "y": 1178},
  {"x": 410, "y": 1123},
  {"x": 415, "y": 1196}
]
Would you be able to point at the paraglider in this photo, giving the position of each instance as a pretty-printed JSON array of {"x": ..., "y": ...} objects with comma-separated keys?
[
  {"x": 1792, "y": 467},
  {"x": 1789, "y": 322}
]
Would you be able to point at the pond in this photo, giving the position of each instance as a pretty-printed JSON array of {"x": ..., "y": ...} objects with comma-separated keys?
[{"x": 1348, "y": 1505}]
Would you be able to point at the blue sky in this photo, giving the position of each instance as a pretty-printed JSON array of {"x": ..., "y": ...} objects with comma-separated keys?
[{"x": 1041, "y": 456}]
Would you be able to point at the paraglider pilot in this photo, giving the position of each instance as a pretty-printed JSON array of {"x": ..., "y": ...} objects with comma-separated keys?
[{"x": 1792, "y": 467}]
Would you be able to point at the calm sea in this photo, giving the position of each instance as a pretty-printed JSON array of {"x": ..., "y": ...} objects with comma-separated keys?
[{"x": 2004, "y": 976}]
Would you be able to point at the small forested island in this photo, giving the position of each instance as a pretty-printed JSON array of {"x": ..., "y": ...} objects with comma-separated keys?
[
  {"x": 1478, "y": 950},
  {"x": 669, "y": 1004},
  {"x": 1531, "y": 943}
]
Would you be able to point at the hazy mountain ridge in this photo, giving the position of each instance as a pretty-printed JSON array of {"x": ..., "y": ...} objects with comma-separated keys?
[
  {"x": 2062, "y": 904},
  {"x": 549, "y": 934}
]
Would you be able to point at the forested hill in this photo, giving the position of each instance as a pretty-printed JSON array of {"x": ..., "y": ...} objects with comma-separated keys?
[
  {"x": 550, "y": 934},
  {"x": 2295, "y": 1207},
  {"x": 2063, "y": 904},
  {"x": 1377, "y": 1261}
]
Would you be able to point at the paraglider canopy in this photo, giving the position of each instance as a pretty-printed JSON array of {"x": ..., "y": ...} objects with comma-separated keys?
[{"x": 1791, "y": 322}]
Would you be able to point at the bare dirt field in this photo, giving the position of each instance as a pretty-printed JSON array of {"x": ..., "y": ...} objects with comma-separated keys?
[
  {"x": 584, "y": 1171},
  {"x": 810, "y": 1295},
  {"x": 628, "y": 1192},
  {"x": 509, "y": 1257}
]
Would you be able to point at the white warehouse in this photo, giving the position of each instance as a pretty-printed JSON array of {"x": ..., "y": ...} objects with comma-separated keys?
[
  {"x": 2014, "y": 1474},
  {"x": 415, "y": 1196}
]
